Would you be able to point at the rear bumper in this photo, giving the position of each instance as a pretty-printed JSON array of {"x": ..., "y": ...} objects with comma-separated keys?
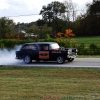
[{"x": 17, "y": 57}]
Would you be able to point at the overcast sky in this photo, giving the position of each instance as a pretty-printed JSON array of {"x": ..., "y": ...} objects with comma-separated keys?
[{"x": 11, "y": 8}]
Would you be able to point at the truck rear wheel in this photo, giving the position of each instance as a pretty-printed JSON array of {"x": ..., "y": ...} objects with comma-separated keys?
[{"x": 27, "y": 59}]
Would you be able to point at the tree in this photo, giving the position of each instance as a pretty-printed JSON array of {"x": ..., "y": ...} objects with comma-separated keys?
[
  {"x": 70, "y": 14},
  {"x": 43, "y": 30},
  {"x": 40, "y": 22},
  {"x": 94, "y": 9},
  {"x": 92, "y": 20},
  {"x": 51, "y": 13},
  {"x": 88, "y": 24},
  {"x": 6, "y": 26}
]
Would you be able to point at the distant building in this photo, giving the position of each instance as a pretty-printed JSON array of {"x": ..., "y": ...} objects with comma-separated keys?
[{"x": 29, "y": 34}]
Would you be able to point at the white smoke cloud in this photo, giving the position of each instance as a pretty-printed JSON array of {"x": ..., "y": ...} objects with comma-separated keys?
[{"x": 8, "y": 56}]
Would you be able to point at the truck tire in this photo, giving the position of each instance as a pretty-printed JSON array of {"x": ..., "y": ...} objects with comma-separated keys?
[
  {"x": 60, "y": 60},
  {"x": 27, "y": 59}
]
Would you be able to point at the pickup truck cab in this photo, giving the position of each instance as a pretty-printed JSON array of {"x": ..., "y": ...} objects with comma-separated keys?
[{"x": 46, "y": 51}]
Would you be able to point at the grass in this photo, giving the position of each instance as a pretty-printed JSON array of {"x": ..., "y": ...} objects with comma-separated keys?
[
  {"x": 88, "y": 56},
  {"x": 88, "y": 40},
  {"x": 85, "y": 40},
  {"x": 18, "y": 83}
]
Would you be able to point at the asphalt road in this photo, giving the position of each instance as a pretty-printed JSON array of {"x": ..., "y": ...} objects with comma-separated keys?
[{"x": 78, "y": 62}]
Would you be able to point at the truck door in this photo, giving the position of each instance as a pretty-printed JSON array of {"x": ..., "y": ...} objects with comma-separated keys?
[{"x": 44, "y": 51}]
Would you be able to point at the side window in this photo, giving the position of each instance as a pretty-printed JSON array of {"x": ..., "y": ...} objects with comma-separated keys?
[
  {"x": 50, "y": 48},
  {"x": 44, "y": 47},
  {"x": 33, "y": 47},
  {"x": 25, "y": 47}
]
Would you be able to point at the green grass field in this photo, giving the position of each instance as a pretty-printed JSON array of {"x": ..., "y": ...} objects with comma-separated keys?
[
  {"x": 88, "y": 40},
  {"x": 18, "y": 83},
  {"x": 88, "y": 56}
]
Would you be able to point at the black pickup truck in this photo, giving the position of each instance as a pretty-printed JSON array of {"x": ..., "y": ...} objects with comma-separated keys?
[{"x": 46, "y": 51}]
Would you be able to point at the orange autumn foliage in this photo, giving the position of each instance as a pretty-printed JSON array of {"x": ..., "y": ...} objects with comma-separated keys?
[
  {"x": 68, "y": 33},
  {"x": 59, "y": 34}
]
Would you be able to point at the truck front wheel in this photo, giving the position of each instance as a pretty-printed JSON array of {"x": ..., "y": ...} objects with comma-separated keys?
[{"x": 60, "y": 60}]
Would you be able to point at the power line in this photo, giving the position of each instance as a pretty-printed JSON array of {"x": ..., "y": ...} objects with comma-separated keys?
[
  {"x": 38, "y": 14},
  {"x": 22, "y": 15}
]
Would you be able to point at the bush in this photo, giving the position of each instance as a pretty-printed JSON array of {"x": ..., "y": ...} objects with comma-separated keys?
[
  {"x": 92, "y": 49},
  {"x": 48, "y": 39},
  {"x": 10, "y": 43}
]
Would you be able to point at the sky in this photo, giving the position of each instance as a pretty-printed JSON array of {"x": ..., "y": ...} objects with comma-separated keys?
[{"x": 26, "y": 11}]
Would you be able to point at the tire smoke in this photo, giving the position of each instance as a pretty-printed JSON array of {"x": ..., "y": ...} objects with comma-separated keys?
[{"x": 8, "y": 56}]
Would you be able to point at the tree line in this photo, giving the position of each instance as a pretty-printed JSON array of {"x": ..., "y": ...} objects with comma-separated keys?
[{"x": 56, "y": 17}]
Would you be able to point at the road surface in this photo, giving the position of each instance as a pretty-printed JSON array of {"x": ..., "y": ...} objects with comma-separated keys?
[{"x": 78, "y": 62}]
